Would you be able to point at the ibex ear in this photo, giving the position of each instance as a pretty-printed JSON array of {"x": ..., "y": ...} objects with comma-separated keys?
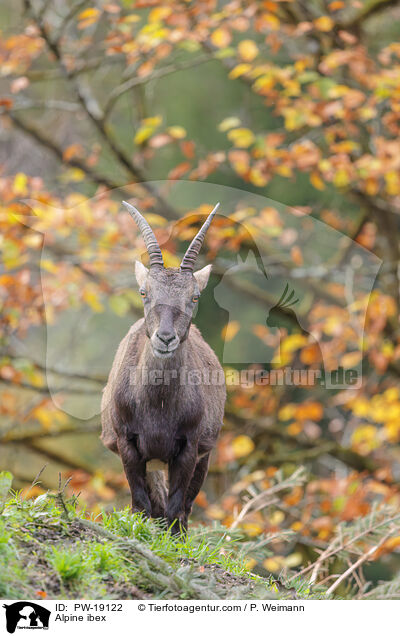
[
  {"x": 202, "y": 276},
  {"x": 141, "y": 273}
]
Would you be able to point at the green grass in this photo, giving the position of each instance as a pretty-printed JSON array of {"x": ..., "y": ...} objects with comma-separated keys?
[{"x": 52, "y": 548}]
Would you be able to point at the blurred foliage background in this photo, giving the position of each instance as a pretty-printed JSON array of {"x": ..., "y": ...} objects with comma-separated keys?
[{"x": 169, "y": 105}]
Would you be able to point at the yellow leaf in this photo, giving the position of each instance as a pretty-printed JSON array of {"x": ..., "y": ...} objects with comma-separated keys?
[
  {"x": 48, "y": 266},
  {"x": 363, "y": 434},
  {"x": 239, "y": 70},
  {"x": 351, "y": 359},
  {"x": 44, "y": 416},
  {"x": 287, "y": 412},
  {"x": 249, "y": 563},
  {"x": 230, "y": 330},
  {"x": 220, "y": 37},
  {"x": 341, "y": 178},
  {"x": 272, "y": 22},
  {"x": 148, "y": 126},
  {"x": 159, "y": 13},
  {"x": 215, "y": 512},
  {"x": 88, "y": 17},
  {"x": 392, "y": 183},
  {"x": 241, "y": 137},
  {"x": 20, "y": 182},
  {"x": 293, "y": 560},
  {"x": 257, "y": 178},
  {"x": 252, "y": 529},
  {"x": 228, "y": 123},
  {"x": 91, "y": 298},
  {"x": 170, "y": 260},
  {"x": 131, "y": 18},
  {"x": 143, "y": 133},
  {"x": 176, "y": 132},
  {"x": 248, "y": 50},
  {"x": 324, "y": 23},
  {"x": 391, "y": 394},
  {"x": 274, "y": 564},
  {"x": 293, "y": 342},
  {"x": 73, "y": 174},
  {"x": 264, "y": 83},
  {"x": 242, "y": 446},
  {"x": 360, "y": 407},
  {"x": 155, "y": 219},
  {"x": 152, "y": 121},
  {"x": 89, "y": 13},
  {"x": 276, "y": 517}
]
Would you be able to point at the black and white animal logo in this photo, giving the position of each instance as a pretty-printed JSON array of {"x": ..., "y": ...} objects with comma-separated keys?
[{"x": 26, "y": 615}]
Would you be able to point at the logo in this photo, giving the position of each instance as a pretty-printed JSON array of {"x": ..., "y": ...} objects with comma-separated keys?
[{"x": 26, "y": 615}]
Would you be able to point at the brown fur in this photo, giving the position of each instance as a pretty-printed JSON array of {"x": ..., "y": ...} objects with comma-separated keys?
[{"x": 176, "y": 422}]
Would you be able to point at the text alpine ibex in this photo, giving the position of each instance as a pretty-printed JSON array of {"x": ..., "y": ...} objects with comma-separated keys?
[{"x": 164, "y": 401}]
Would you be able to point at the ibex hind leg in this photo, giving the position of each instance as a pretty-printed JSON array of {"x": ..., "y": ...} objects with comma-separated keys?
[
  {"x": 157, "y": 491},
  {"x": 199, "y": 475}
]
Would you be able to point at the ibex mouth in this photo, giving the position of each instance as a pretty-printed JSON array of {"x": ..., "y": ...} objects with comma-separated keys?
[{"x": 163, "y": 354}]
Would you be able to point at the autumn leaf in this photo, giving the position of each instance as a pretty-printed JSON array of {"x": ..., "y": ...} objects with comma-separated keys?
[
  {"x": 88, "y": 17},
  {"x": 239, "y": 70},
  {"x": 324, "y": 23},
  {"x": 177, "y": 132},
  {"x": 242, "y": 446},
  {"x": 221, "y": 37},
  {"x": 230, "y": 330},
  {"x": 179, "y": 170},
  {"x": 241, "y": 137},
  {"x": 248, "y": 50},
  {"x": 228, "y": 123}
]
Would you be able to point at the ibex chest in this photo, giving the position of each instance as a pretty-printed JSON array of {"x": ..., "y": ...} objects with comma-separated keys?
[{"x": 161, "y": 428}]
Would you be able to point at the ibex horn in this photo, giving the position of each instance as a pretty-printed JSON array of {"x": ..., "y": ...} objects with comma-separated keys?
[
  {"x": 152, "y": 246},
  {"x": 194, "y": 248}
]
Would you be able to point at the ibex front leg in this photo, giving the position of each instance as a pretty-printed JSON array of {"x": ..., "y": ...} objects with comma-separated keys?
[
  {"x": 135, "y": 471},
  {"x": 181, "y": 470}
]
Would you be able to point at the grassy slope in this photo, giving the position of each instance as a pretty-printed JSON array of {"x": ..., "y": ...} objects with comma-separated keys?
[{"x": 49, "y": 549}]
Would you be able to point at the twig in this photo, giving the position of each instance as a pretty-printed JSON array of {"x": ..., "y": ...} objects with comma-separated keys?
[
  {"x": 60, "y": 493},
  {"x": 343, "y": 546},
  {"x": 117, "y": 92},
  {"x": 36, "y": 481},
  {"x": 262, "y": 499},
  {"x": 364, "y": 557}
]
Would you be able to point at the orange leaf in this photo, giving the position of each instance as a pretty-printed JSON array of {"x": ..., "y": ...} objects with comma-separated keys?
[
  {"x": 309, "y": 411},
  {"x": 179, "y": 170}
]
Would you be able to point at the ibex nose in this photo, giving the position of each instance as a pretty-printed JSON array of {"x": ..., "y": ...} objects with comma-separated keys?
[{"x": 165, "y": 336}]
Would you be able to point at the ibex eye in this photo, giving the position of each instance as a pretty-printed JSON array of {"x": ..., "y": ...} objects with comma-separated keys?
[
  {"x": 195, "y": 299},
  {"x": 143, "y": 293}
]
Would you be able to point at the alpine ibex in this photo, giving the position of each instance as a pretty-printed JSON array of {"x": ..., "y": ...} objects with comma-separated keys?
[{"x": 164, "y": 401}]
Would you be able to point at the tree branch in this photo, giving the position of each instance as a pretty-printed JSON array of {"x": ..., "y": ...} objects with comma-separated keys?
[{"x": 94, "y": 113}]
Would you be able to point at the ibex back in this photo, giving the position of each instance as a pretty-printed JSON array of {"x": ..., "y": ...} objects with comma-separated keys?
[{"x": 164, "y": 401}]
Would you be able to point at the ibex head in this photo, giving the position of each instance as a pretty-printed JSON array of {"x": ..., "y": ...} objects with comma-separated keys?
[{"x": 169, "y": 294}]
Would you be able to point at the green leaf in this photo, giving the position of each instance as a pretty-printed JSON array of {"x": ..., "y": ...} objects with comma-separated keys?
[{"x": 5, "y": 485}]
